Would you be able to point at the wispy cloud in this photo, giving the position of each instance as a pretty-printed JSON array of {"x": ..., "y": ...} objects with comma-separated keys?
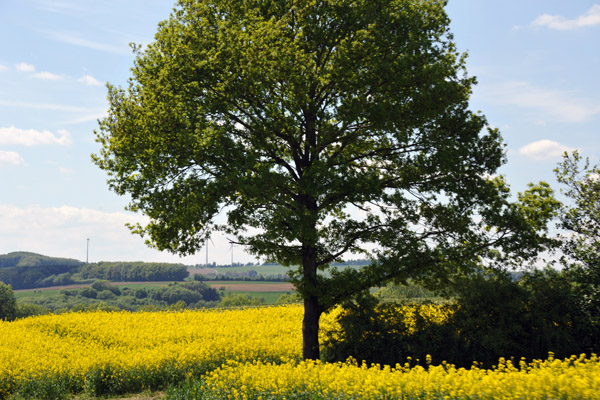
[
  {"x": 548, "y": 104},
  {"x": 89, "y": 80},
  {"x": 24, "y": 67},
  {"x": 46, "y": 106},
  {"x": 544, "y": 150},
  {"x": 86, "y": 118},
  {"x": 47, "y": 76},
  {"x": 89, "y": 44},
  {"x": 10, "y": 158},
  {"x": 32, "y": 137},
  {"x": 3, "y": 68},
  {"x": 558, "y": 22},
  {"x": 59, "y": 7}
]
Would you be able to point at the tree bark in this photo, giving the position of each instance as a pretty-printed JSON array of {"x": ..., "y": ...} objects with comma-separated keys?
[
  {"x": 310, "y": 329},
  {"x": 312, "y": 307}
]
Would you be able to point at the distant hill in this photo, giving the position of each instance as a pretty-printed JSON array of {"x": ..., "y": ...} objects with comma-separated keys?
[
  {"x": 27, "y": 259},
  {"x": 26, "y": 270}
]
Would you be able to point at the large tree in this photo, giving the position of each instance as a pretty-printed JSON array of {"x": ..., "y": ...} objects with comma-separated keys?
[{"x": 319, "y": 128}]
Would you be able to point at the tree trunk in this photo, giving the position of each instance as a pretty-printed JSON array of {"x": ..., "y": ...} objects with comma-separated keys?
[
  {"x": 310, "y": 328},
  {"x": 312, "y": 307}
]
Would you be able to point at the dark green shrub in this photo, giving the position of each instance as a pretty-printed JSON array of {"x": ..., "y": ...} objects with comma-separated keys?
[
  {"x": 494, "y": 316},
  {"x": 240, "y": 300},
  {"x": 88, "y": 292},
  {"x": 28, "y": 309},
  {"x": 379, "y": 333},
  {"x": 106, "y": 295}
]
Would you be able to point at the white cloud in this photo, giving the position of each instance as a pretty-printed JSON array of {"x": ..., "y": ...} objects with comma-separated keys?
[
  {"x": 66, "y": 171},
  {"x": 10, "y": 158},
  {"x": 32, "y": 137},
  {"x": 62, "y": 232},
  {"x": 89, "y": 80},
  {"x": 24, "y": 67},
  {"x": 558, "y": 22},
  {"x": 47, "y": 76},
  {"x": 549, "y": 104},
  {"x": 3, "y": 68},
  {"x": 544, "y": 150}
]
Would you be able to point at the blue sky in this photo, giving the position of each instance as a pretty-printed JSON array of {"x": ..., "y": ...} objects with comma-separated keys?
[{"x": 536, "y": 61}]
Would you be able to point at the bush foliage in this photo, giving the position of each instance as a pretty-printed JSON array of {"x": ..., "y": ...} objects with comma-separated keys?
[{"x": 491, "y": 316}]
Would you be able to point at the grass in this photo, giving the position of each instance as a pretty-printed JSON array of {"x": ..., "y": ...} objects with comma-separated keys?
[{"x": 269, "y": 297}]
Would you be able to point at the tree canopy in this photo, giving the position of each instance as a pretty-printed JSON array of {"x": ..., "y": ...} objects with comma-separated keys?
[
  {"x": 7, "y": 302},
  {"x": 319, "y": 128},
  {"x": 581, "y": 219}
]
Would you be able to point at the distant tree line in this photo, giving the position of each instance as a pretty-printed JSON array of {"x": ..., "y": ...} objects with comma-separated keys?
[
  {"x": 251, "y": 275},
  {"x": 37, "y": 276},
  {"x": 24, "y": 270},
  {"x": 134, "y": 271}
]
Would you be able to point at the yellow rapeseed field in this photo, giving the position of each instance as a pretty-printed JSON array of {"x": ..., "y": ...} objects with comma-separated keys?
[
  {"x": 573, "y": 378},
  {"x": 77, "y": 345},
  {"x": 246, "y": 353}
]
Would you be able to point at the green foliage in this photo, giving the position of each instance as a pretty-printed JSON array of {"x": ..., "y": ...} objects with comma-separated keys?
[
  {"x": 134, "y": 271},
  {"x": 494, "y": 316},
  {"x": 102, "y": 285},
  {"x": 190, "y": 293},
  {"x": 88, "y": 292},
  {"x": 27, "y": 270},
  {"x": 409, "y": 293},
  {"x": 240, "y": 300},
  {"x": 25, "y": 259},
  {"x": 46, "y": 386},
  {"x": 24, "y": 310},
  {"x": 289, "y": 298},
  {"x": 581, "y": 218},
  {"x": 106, "y": 295},
  {"x": 377, "y": 333},
  {"x": 7, "y": 302}
]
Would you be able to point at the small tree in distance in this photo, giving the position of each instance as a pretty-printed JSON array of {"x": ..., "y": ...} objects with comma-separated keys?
[
  {"x": 320, "y": 128},
  {"x": 8, "y": 304}
]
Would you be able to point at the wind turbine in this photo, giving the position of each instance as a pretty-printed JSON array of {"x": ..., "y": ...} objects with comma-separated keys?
[
  {"x": 207, "y": 239},
  {"x": 231, "y": 248}
]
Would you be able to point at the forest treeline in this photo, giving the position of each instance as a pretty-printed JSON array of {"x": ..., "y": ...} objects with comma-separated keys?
[{"x": 24, "y": 270}]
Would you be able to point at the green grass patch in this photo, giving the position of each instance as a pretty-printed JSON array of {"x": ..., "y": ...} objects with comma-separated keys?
[{"x": 269, "y": 297}]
